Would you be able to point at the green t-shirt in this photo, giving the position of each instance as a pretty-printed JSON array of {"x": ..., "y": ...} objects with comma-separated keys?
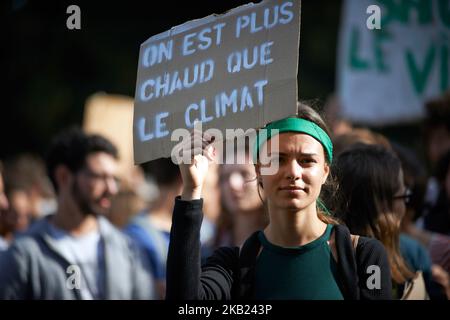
[{"x": 305, "y": 272}]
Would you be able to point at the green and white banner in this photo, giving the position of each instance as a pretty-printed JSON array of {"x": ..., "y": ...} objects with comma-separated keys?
[{"x": 385, "y": 75}]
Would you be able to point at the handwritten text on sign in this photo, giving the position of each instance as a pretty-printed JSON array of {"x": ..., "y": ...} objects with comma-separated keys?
[{"x": 237, "y": 70}]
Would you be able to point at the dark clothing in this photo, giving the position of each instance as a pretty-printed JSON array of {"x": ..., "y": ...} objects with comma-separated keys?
[
  {"x": 309, "y": 271},
  {"x": 230, "y": 272},
  {"x": 437, "y": 219}
]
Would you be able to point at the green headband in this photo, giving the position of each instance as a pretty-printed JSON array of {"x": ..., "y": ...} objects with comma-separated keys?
[{"x": 295, "y": 125}]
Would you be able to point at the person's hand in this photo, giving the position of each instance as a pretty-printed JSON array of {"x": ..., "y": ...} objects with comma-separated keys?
[
  {"x": 196, "y": 153},
  {"x": 442, "y": 277}
]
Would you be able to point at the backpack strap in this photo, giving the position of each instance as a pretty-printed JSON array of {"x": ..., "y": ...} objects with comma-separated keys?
[
  {"x": 248, "y": 254},
  {"x": 347, "y": 268}
]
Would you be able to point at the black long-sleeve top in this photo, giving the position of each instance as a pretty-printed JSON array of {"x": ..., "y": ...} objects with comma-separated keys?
[{"x": 229, "y": 272}]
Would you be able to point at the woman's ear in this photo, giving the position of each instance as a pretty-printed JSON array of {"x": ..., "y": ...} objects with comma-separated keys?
[{"x": 326, "y": 172}]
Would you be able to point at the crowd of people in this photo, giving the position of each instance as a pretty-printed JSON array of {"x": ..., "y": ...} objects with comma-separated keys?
[{"x": 349, "y": 214}]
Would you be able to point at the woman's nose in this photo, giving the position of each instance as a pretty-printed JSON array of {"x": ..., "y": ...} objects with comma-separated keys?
[{"x": 294, "y": 170}]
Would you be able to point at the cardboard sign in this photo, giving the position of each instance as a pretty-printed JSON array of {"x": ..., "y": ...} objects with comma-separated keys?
[
  {"x": 111, "y": 116},
  {"x": 232, "y": 71},
  {"x": 385, "y": 75}
]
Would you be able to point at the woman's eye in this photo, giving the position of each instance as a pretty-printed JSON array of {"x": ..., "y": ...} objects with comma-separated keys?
[{"x": 307, "y": 161}]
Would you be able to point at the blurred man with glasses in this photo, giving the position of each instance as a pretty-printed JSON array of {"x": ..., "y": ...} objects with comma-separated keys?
[{"x": 76, "y": 253}]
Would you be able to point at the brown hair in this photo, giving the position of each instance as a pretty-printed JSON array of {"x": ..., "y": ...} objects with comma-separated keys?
[
  {"x": 368, "y": 180},
  {"x": 344, "y": 141}
]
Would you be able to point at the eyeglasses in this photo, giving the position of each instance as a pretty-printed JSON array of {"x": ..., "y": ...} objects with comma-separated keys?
[
  {"x": 406, "y": 196},
  {"x": 97, "y": 176}
]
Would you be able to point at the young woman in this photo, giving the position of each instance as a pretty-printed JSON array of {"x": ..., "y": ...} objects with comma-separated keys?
[
  {"x": 301, "y": 254},
  {"x": 242, "y": 208},
  {"x": 371, "y": 202}
]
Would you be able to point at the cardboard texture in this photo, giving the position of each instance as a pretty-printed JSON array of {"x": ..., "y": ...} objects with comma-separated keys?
[
  {"x": 230, "y": 71},
  {"x": 111, "y": 116}
]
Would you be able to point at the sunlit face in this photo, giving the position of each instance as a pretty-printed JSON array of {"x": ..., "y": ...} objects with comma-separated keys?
[
  {"x": 302, "y": 172},
  {"x": 239, "y": 187},
  {"x": 96, "y": 184}
]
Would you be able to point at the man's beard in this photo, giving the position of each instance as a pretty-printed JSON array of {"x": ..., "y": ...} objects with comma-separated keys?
[{"x": 87, "y": 206}]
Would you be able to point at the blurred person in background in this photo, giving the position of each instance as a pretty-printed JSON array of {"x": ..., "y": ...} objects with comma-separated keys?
[
  {"x": 418, "y": 246},
  {"x": 436, "y": 133},
  {"x": 437, "y": 128},
  {"x": 76, "y": 253},
  {"x": 412, "y": 249},
  {"x": 242, "y": 206},
  {"x": 27, "y": 173},
  {"x": 16, "y": 219},
  {"x": 371, "y": 202},
  {"x": 437, "y": 219},
  {"x": 134, "y": 196},
  {"x": 346, "y": 140}
]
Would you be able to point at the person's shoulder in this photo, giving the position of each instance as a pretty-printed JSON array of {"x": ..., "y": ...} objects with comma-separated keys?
[
  {"x": 22, "y": 249},
  {"x": 411, "y": 247},
  {"x": 138, "y": 226},
  {"x": 138, "y": 219},
  {"x": 38, "y": 227},
  {"x": 407, "y": 241},
  {"x": 369, "y": 243},
  {"x": 24, "y": 242},
  {"x": 370, "y": 249}
]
